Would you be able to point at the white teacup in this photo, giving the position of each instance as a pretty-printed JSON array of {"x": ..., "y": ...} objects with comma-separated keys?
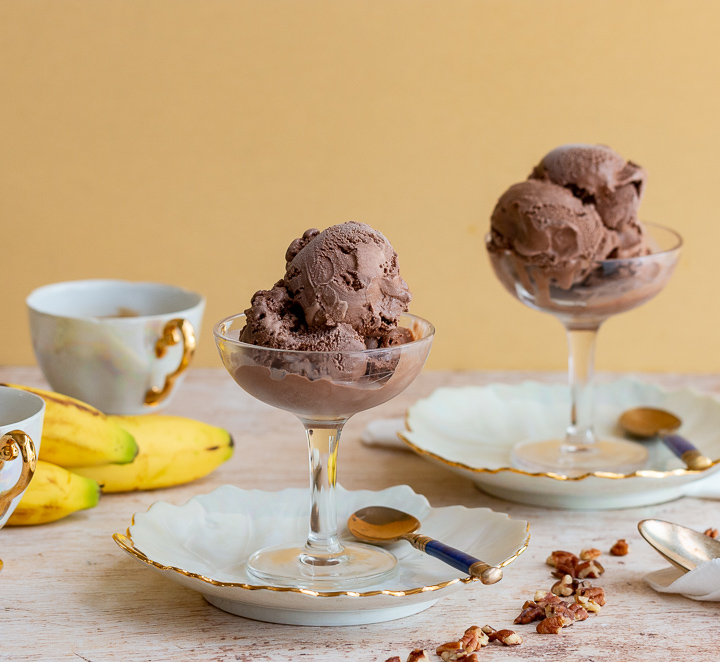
[
  {"x": 21, "y": 419},
  {"x": 120, "y": 346}
]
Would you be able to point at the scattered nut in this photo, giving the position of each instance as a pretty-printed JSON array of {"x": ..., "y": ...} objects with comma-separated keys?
[
  {"x": 620, "y": 548},
  {"x": 565, "y": 587},
  {"x": 561, "y": 557},
  {"x": 548, "y": 599},
  {"x": 561, "y": 611},
  {"x": 449, "y": 647},
  {"x": 507, "y": 637},
  {"x": 578, "y": 611},
  {"x": 591, "y": 569},
  {"x": 553, "y": 625},
  {"x": 562, "y": 569},
  {"x": 394, "y": 658},
  {"x": 711, "y": 533},
  {"x": 594, "y": 593},
  {"x": 418, "y": 655},
  {"x": 463, "y": 649},
  {"x": 454, "y": 656},
  {"x": 590, "y": 554},
  {"x": 530, "y": 613},
  {"x": 589, "y": 604},
  {"x": 473, "y": 639}
]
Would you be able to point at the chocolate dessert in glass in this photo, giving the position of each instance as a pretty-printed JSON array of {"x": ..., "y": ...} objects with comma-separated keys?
[
  {"x": 568, "y": 241},
  {"x": 330, "y": 339}
]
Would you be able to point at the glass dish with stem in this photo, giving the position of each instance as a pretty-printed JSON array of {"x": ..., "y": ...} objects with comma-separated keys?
[
  {"x": 323, "y": 389},
  {"x": 608, "y": 287}
]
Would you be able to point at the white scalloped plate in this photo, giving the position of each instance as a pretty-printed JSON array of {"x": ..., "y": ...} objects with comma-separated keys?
[
  {"x": 205, "y": 543},
  {"x": 472, "y": 429}
]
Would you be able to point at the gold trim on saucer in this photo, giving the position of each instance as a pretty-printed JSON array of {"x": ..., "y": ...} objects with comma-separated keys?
[
  {"x": 126, "y": 543},
  {"x": 642, "y": 473}
]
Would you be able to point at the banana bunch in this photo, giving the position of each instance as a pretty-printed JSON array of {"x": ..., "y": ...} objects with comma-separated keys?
[
  {"x": 53, "y": 493},
  {"x": 83, "y": 450},
  {"x": 76, "y": 434},
  {"x": 173, "y": 450}
]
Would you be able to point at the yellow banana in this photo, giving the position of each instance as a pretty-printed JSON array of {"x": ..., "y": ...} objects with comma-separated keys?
[
  {"x": 53, "y": 493},
  {"x": 76, "y": 434},
  {"x": 173, "y": 450}
]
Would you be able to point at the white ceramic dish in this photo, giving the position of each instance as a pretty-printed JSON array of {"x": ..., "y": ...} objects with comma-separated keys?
[
  {"x": 472, "y": 429},
  {"x": 205, "y": 544}
]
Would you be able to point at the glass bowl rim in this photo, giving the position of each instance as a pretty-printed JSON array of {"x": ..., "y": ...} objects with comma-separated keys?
[
  {"x": 303, "y": 352},
  {"x": 616, "y": 260}
]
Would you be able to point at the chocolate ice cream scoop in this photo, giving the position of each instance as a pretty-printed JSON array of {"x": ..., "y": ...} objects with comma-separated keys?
[
  {"x": 342, "y": 294},
  {"x": 600, "y": 177},
  {"x": 577, "y": 208},
  {"x": 347, "y": 274},
  {"x": 547, "y": 226}
]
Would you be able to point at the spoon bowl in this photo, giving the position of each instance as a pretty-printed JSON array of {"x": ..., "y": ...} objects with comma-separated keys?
[
  {"x": 650, "y": 422},
  {"x": 381, "y": 524},
  {"x": 377, "y": 524},
  {"x": 684, "y": 548}
]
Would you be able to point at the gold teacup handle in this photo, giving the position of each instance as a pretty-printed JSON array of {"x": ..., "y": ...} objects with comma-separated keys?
[
  {"x": 175, "y": 331},
  {"x": 12, "y": 445}
]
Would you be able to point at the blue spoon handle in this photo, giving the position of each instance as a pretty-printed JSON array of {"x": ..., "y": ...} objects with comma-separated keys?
[
  {"x": 684, "y": 449},
  {"x": 459, "y": 560}
]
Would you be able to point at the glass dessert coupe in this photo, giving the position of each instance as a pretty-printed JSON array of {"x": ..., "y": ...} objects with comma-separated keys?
[
  {"x": 323, "y": 389},
  {"x": 610, "y": 287}
]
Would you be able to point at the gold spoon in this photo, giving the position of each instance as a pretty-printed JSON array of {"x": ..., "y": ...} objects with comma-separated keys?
[
  {"x": 379, "y": 524},
  {"x": 684, "y": 548},
  {"x": 648, "y": 422}
]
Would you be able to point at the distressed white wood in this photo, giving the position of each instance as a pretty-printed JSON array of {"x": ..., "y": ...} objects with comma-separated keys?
[{"x": 67, "y": 592}]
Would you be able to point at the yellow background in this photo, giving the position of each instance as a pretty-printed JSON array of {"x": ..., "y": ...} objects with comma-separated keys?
[{"x": 190, "y": 141}]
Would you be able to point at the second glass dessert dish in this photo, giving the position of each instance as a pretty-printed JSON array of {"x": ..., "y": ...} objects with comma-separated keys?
[
  {"x": 568, "y": 242},
  {"x": 323, "y": 389}
]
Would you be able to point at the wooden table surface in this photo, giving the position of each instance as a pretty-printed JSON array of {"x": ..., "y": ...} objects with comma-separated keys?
[{"x": 67, "y": 592}]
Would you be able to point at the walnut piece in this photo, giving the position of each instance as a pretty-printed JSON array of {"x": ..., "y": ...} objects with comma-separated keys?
[
  {"x": 394, "y": 658},
  {"x": 620, "y": 548},
  {"x": 560, "y": 610},
  {"x": 561, "y": 557},
  {"x": 530, "y": 612},
  {"x": 548, "y": 599},
  {"x": 589, "y": 569},
  {"x": 449, "y": 647},
  {"x": 418, "y": 655},
  {"x": 711, "y": 533},
  {"x": 553, "y": 625},
  {"x": 463, "y": 649},
  {"x": 473, "y": 639},
  {"x": 462, "y": 656},
  {"x": 507, "y": 637},
  {"x": 564, "y": 587},
  {"x": 590, "y": 554},
  {"x": 579, "y": 612},
  {"x": 594, "y": 593},
  {"x": 589, "y": 604}
]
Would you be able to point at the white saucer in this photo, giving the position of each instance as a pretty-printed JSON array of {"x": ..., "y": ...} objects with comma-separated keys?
[
  {"x": 472, "y": 429},
  {"x": 205, "y": 544}
]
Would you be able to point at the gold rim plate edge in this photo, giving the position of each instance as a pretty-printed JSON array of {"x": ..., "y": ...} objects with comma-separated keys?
[
  {"x": 642, "y": 473},
  {"x": 126, "y": 543}
]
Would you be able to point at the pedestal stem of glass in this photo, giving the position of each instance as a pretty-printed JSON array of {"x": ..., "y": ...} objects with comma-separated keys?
[
  {"x": 323, "y": 546},
  {"x": 321, "y": 561},
  {"x": 581, "y": 359},
  {"x": 580, "y": 451}
]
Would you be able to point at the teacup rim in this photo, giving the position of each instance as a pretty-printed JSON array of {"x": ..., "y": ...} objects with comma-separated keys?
[
  {"x": 43, "y": 290},
  {"x": 30, "y": 397}
]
